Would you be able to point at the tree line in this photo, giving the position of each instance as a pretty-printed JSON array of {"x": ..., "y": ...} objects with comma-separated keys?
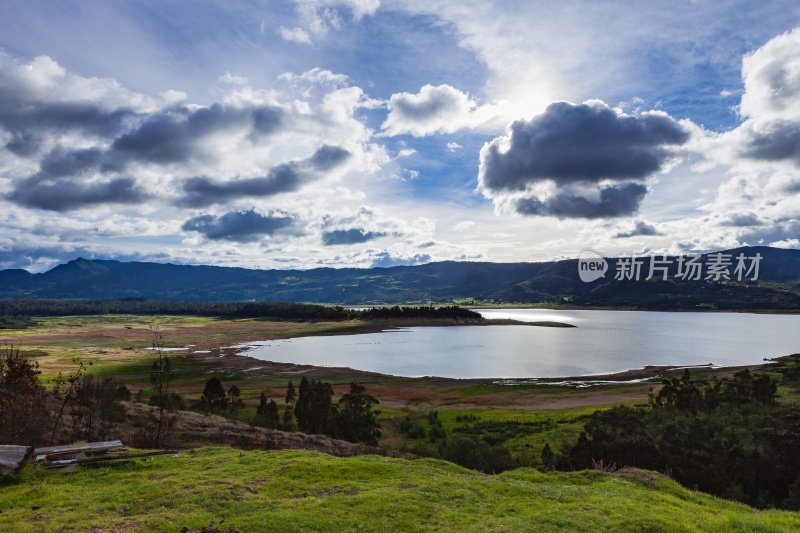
[
  {"x": 308, "y": 408},
  {"x": 17, "y": 313},
  {"x": 727, "y": 437}
]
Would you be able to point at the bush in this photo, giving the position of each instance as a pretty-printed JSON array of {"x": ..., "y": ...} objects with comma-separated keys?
[{"x": 476, "y": 454}]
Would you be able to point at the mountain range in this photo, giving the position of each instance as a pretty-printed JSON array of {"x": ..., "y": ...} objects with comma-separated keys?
[{"x": 776, "y": 285}]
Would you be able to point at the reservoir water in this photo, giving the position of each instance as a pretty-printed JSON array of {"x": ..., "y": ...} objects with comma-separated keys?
[{"x": 602, "y": 342}]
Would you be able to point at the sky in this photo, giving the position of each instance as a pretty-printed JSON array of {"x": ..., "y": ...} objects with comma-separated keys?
[{"x": 373, "y": 133}]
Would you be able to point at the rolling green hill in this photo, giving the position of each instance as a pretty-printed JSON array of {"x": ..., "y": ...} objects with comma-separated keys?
[
  {"x": 310, "y": 491},
  {"x": 557, "y": 282}
]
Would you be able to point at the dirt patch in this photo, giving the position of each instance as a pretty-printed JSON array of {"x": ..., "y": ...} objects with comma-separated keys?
[
  {"x": 647, "y": 478},
  {"x": 210, "y": 529}
]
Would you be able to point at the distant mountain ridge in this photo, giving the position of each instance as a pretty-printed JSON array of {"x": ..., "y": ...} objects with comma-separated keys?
[{"x": 557, "y": 282}]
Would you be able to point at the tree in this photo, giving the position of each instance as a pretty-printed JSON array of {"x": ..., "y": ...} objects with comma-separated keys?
[
  {"x": 291, "y": 395},
  {"x": 548, "y": 458},
  {"x": 22, "y": 411},
  {"x": 288, "y": 411},
  {"x": 235, "y": 402},
  {"x": 65, "y": 390},
  {"x": 313, "y": 407},
  {"x": 267, "y": 412},
  {"x": 213, "y": 399},
  {"x": 356, "y": 421},
  {"x": 95, "y": 409},
  {"x": 476, "y": 454},
  {"x": 161, "y": 374}
]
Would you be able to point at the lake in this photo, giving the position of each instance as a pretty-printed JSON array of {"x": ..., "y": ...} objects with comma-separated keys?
[{"x": 603, "y": 342}]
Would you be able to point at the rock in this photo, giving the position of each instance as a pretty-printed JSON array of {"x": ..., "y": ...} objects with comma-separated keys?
[
  {"x": 12, "y": 458},
  {"x": 219, "y": 430}
]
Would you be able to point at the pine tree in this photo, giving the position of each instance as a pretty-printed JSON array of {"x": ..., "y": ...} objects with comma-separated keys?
[
  {"x": 548, "y": 458},
  {"x": 234, "y": 401},
  {"x": 267, "y": 413}
]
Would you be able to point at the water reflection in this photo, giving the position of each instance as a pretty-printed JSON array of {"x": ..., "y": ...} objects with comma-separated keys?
[{"x": 603, "y": 342}]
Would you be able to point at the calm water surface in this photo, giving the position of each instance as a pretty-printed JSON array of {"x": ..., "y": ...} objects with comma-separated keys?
[{"x": 604, "y": 341}]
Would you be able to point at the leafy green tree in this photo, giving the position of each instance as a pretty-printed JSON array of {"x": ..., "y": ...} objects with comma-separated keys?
[
  {"x": 356, "y": 420},
  {"x": 469, "y": 452},
  {"x": 727, "y": 437},
  {"x": 213, "y": 398},
  {"x": 314, "y": 405}
]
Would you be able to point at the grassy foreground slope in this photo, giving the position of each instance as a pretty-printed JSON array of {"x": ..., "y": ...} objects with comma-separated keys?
[{"x": 309, "y": 491}]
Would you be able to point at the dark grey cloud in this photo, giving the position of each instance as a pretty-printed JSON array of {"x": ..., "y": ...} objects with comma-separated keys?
[
  {"x": 780, "y": 143},
  {"x": 583, "y": 145},
  {"x": 67, "y": 194},
  {"x": 743, "y": 220},
  {"x": 579, "y": 143},
  {"x": 174, "y": 136},
  {"x": 430, "y": 102},
  {"x": 328, "y": 157},
  {"x": 202, "y": 191},
  {"x": 29, "y": 122},
  {"x": 617, "y": 201},
  {"x": 350, "y": 236},
  {"x": 68, "y": 163},
  {"x": 641, "y": 228},
  {"x": 29, "y": 118},
  {"x": 169, "y": 136},
  {"x": 240, "y": 226},
  {"x": 287, "y": 177}
]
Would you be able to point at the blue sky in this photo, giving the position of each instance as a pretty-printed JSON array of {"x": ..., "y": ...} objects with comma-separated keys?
[{"x": 365, "y": 132}]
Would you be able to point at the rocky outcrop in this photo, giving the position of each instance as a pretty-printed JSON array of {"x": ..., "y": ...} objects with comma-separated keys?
[{"x": 191, "y": 426}]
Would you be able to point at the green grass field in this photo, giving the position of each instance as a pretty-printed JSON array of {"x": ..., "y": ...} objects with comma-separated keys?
[{"x": 308, "y": 491}]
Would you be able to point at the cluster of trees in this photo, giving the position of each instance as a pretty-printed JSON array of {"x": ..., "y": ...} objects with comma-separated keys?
[
  {"x": 17, "y": 312},
  {"x": 468, "y": 446},
  {"x": 86, "y": 407},
  {"x": 428, "y": 312},
  {"x": 79, "y": 407},
  {"x": 15, "y": 322},
  {"x": 216, "y": 400},
  {"x": 311, "y": 409},
  {"x": 727, "y": 437}
]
